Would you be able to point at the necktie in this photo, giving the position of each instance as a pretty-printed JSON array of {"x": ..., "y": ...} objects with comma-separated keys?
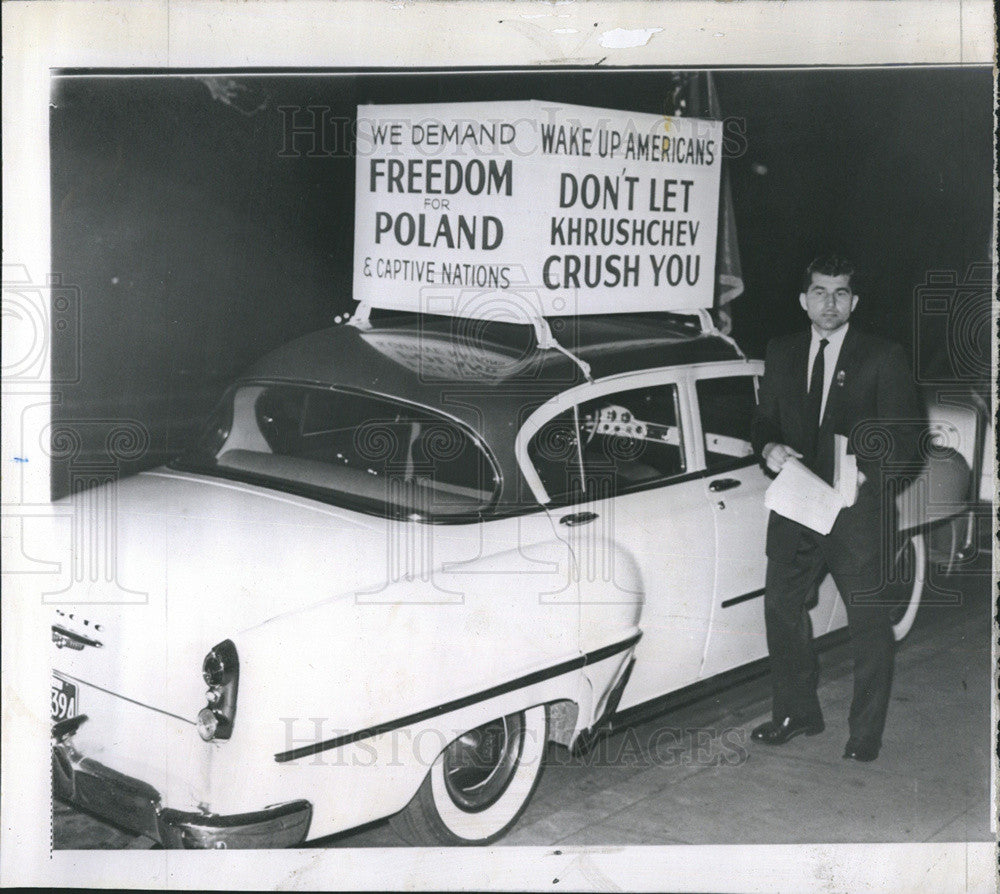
[{"x": 815, "y": 398}]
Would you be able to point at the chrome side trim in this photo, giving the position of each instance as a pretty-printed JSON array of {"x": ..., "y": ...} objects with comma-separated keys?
[{"x": 519, "y": 683}]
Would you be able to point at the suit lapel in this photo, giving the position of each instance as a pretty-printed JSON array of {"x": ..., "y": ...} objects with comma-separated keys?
[
  {"x": 799, "y": 396},
  {"x": 800, "y": 365}
]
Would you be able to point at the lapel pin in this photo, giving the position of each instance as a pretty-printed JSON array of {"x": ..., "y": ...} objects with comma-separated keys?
[{"x": 840, "y": 378}]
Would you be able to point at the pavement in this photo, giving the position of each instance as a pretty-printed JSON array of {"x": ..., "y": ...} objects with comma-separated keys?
[{"x": 693, "y": 776}]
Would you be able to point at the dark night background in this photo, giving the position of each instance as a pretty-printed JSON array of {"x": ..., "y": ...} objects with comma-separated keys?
[{"x": 196, "y": 246}]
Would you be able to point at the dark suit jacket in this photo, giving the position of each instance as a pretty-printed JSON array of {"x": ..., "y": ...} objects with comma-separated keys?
[{"x": 872, "y": 400}]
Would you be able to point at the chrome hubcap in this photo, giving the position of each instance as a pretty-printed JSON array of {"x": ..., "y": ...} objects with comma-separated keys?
[{"x": 479, "y": 765}]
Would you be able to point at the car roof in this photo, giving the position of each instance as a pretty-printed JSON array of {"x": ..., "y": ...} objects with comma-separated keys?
[
  {"x": 413, "y": 356},
  {"x": 488, "y": 375}
]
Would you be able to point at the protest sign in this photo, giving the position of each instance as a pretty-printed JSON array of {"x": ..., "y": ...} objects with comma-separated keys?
[{"x": 525, "y": 209}]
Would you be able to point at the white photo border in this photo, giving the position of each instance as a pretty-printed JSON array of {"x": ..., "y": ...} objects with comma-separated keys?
[{"x": 188, "y": 34}]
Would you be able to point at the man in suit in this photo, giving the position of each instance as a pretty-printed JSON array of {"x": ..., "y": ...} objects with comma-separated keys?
[{"x": 833, "y": 379}]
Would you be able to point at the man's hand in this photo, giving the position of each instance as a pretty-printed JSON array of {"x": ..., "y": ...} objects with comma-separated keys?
[{"x": 776, "y": 455}]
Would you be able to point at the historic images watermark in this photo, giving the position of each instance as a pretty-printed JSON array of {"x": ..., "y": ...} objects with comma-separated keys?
[
  {"x": 661, "y": 745},
  {"x": 934, "y": 503},
  {"x": 93, "y": 508},
  {"x": 89, "y": 451},
  {"x": 955, "y": 320},
  {"x": 318, "y": 131},
  {"x": 35, "y": 308},
  {"x": 954, "y": 309},
  {"x": 429, "y": 464}
]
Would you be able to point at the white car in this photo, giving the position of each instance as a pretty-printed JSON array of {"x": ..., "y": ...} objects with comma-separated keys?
[{"x": 402, "y": 558}]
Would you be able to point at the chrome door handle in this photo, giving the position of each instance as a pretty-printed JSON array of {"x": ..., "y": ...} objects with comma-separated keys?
[
  {"x": 724, "y": 484},
  {"x": 577, "y": 518}
]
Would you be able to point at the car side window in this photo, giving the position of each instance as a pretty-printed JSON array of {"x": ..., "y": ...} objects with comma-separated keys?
[
  {"x": 385, "y": 456},
  {"x": 611, "y": 445},
  {"x": 727, "y": 406}
]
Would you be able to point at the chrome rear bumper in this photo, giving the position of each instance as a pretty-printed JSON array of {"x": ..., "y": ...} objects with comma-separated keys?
[{"x": 134, "y": 805}]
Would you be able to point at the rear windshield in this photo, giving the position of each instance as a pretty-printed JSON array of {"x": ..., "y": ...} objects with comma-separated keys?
[{"x": 354, "y": 449}]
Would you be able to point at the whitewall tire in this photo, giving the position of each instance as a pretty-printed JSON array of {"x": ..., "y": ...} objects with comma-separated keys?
[
  {"x": 478, "y": 787},
  {"x": 910, "y": 569}
]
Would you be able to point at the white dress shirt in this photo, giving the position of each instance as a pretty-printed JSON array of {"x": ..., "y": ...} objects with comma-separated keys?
[{"x": 835, "y": 341}]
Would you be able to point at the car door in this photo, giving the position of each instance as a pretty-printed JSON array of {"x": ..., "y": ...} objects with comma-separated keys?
[
  {"x": 724, "y": 399},
  {"x": 614, "y": 460}
]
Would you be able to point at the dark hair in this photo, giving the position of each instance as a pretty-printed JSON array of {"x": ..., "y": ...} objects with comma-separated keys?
[{"x": 829, "y": 265}]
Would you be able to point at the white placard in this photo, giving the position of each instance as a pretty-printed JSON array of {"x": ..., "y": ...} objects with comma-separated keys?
[{"x": 513, "y": 210}]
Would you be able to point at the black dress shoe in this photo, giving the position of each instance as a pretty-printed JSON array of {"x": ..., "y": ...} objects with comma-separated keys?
[
  {"x": 778, "y": 732},
  {"x": 858, "y": 751}
]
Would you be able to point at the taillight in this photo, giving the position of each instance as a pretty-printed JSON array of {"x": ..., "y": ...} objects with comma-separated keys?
[{"x": 221, "y": 672}]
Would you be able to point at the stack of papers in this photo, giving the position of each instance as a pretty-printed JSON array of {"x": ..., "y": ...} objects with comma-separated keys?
[
  {"x": 845, "y": 470},
  {"x": 801, "y": 495}
]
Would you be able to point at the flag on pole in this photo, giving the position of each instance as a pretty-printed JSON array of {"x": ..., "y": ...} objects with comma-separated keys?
[{"x": 694, "y": 95}]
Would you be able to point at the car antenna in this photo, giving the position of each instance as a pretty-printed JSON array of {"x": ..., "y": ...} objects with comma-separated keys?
[{"x": 547, "y": 342}]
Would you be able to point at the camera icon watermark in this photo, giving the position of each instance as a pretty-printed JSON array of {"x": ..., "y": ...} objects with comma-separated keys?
[
  {"x": 42, "y": 319},
  {"x": 954, "y": 321},
  {"x": 488, "y": 325}
]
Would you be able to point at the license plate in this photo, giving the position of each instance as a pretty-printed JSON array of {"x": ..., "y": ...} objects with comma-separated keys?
[{"x": 63, "y": 698}]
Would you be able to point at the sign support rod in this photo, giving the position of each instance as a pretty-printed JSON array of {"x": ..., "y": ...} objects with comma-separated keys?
[{"x": 547, "y": 342}]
